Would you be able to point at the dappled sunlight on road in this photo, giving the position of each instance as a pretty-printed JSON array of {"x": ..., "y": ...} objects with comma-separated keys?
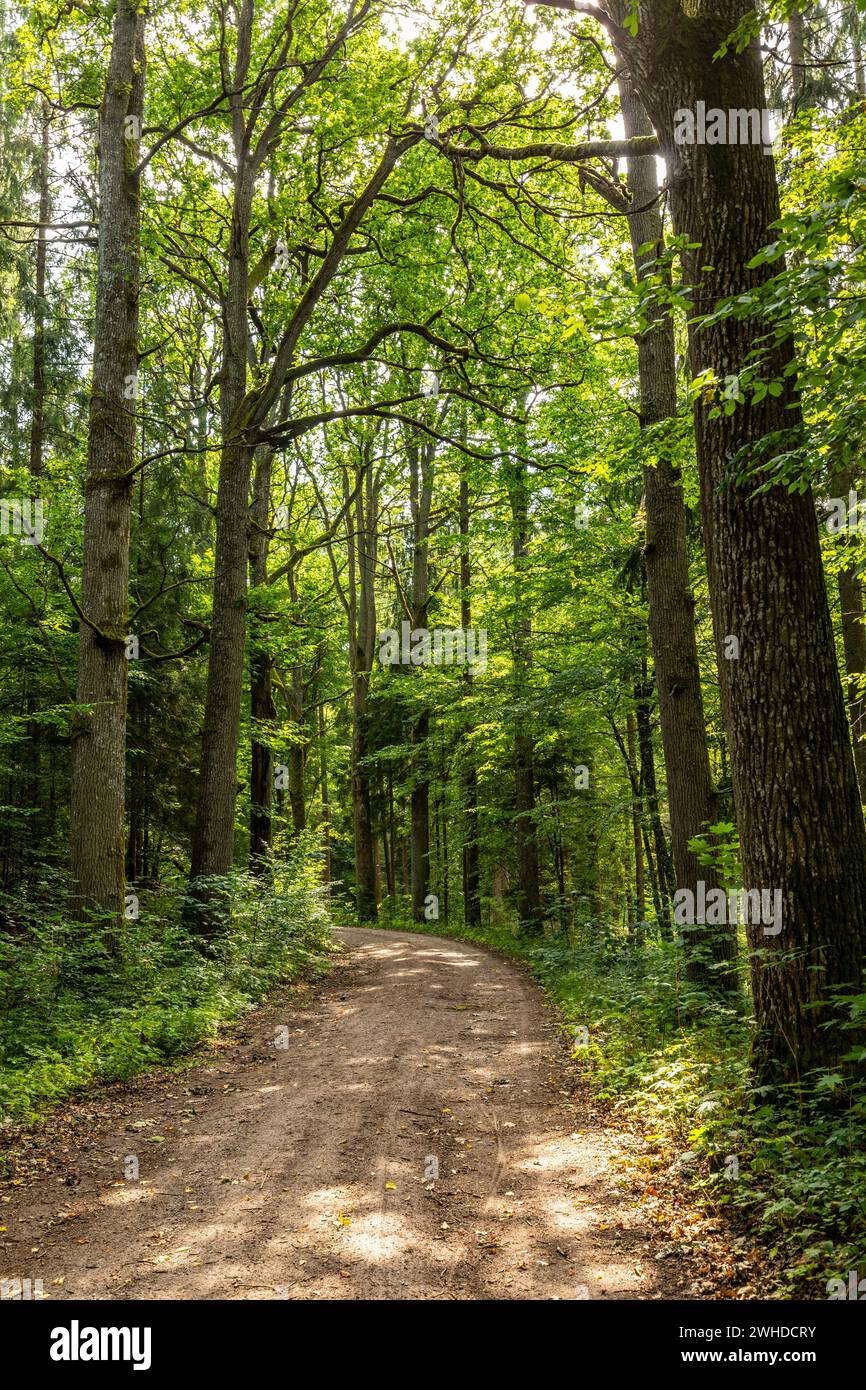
[{"x": 413, "y": 1139}]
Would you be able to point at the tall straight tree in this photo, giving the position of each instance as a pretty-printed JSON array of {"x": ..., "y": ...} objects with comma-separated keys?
[
  {"x": 357, "y": 594},
  {"x": 99, "y": 740},
  {"x": 471, "y": 868},
  {"x": 848, "y": 582},
  {"x": 213, "y": 836},
  {"x": 853, "y": 616},
  {"x": 244, "y": 413},
  {"x": 262, "y": 707},
  {"x": 788, "y": 736},
  {"x": 37, "y": 407},
  {"x": 671, "y": 603},
  {"x": 421, "y": 455},
  {"x": 256, "y": 130},
  {"x": 528, "y": 870},
  {"x": 782, "y": 696},
  {"x": 362, "y": 537}
]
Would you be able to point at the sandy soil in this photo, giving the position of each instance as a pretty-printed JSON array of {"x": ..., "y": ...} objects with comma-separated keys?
[{"x": 416, "y": 1136}]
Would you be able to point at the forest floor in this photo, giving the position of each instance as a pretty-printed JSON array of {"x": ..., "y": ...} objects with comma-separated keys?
[{"x": 307, "y": 1170}]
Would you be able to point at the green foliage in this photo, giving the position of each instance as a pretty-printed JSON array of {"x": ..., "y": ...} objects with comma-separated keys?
[
  {"x": 719, "y": 849},
  {"x": 70, "y": 1015},
  {"x": 514, "y": 281}
]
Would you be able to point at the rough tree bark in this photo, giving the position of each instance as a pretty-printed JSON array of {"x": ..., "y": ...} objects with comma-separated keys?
[
  {"x": 243, "y": 414},
  {"x": 262, "y": 708},
  {"x": 326, "y": 803},
  {"x": 854, "y": 641},
  {"x": 798, "y": 807},
  {"x": 636, "y": 824},
  {"x": 362, "y": 547},
  {"x": 649, "y": 796},
  {"x": 691, "y": 799},
  {"x": 37, "y": 402},
  {"x": 296, "y": 700},
  {"x": 421, "y": 470},
  {"x": 857, "y": 51},
  {"x": 850, "y": 587},
  {"x": 529, "y": 913},
  {"x": 213, "y": 836},
  {"x": 471, "y": 867},
  {"x": 797, "y": 56},
  {"x": 99, "y": 739}
]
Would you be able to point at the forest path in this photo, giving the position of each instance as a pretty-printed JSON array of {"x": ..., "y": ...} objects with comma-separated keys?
[{"x": 305, "y": 1172}]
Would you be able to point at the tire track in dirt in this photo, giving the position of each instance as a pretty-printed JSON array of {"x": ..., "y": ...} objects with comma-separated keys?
[{"x": 309, "y": 1172}]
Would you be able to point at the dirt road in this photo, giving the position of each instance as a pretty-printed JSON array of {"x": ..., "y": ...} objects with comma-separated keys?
[{"x": 411, "y": 1135}]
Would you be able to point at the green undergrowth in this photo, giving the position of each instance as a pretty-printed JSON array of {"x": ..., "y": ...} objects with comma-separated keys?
[
  {"x": 786, "y": 1165},
  {"x": 71, "y": 1016}
]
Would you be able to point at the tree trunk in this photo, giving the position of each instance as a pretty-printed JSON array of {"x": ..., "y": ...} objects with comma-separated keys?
[
  {"x": 857, "y": 53},
  {"x": 242, "y": 413},
  {"x": 420, "y": 807},
  {"x": 387, "y": 843},
  {"x": 362, "y": 820},
  {"x": 529, "y": 914},
  {"x": 99, "y": 740},
  {"x": 471, "y": 869},
  {"x": 797, "y": 56},
  {"x": 652, "y": 872},
  {"x": 636, "y": 822},
  {"x": 421, "y": 458},
  {"x": 854, "y": 640},
  {"x": 362, "y": 544},
  {"x": 262, "y": 709},
  {"x": 788, "y": 735},
  {"x": 298, "y": 749},
  {"x": 214, "y": 833},
  {"x": 37, "y": 403},
  {"x": 213, "y": 837},
  {"x": 691, "y": 798},
  {"x": 442, "y": 864},
  {"x": 326, "y": 803},
  {"x": 650, "y": 800}
]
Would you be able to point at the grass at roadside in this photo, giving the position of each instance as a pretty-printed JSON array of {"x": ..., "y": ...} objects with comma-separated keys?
[{"x": 70, "y": 1017}]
